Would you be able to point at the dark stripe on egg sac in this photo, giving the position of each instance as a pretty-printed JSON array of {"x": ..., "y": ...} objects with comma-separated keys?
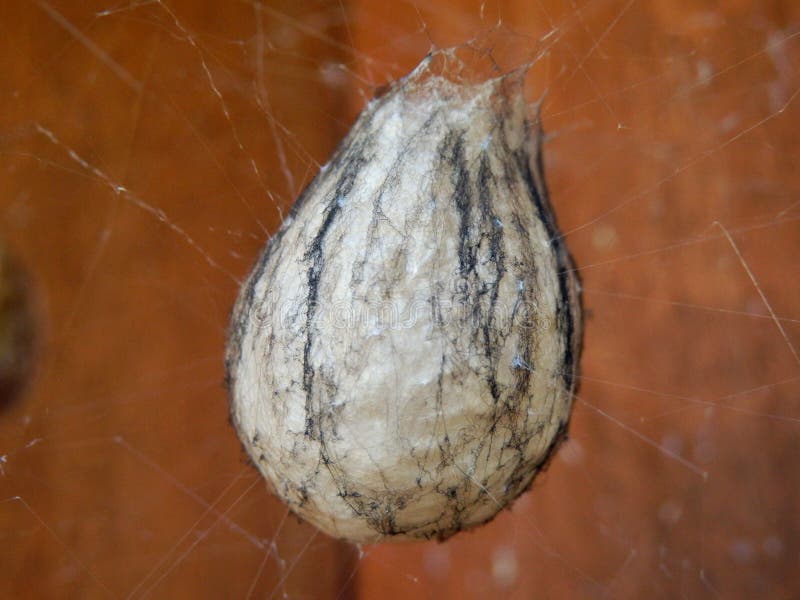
[{"x": 350, "y": 164}]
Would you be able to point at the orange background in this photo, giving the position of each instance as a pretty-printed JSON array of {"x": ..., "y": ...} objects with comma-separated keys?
[{"x": 147, "y": 151}]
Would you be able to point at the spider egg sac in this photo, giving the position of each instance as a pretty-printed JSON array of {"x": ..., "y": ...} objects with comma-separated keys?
[{"x": 402, "y": 357}]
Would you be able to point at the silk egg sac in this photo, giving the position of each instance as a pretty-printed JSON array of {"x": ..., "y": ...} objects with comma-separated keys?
[{"x": 402, "y": 357}]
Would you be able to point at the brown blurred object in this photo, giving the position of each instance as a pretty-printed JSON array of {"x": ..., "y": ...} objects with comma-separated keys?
[
  {"x": 148, "y": 149},
  {"x": 17, "y": 328}
]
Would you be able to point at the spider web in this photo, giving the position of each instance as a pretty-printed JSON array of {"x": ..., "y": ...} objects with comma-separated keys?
[{"x": 150, "y": 148}]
